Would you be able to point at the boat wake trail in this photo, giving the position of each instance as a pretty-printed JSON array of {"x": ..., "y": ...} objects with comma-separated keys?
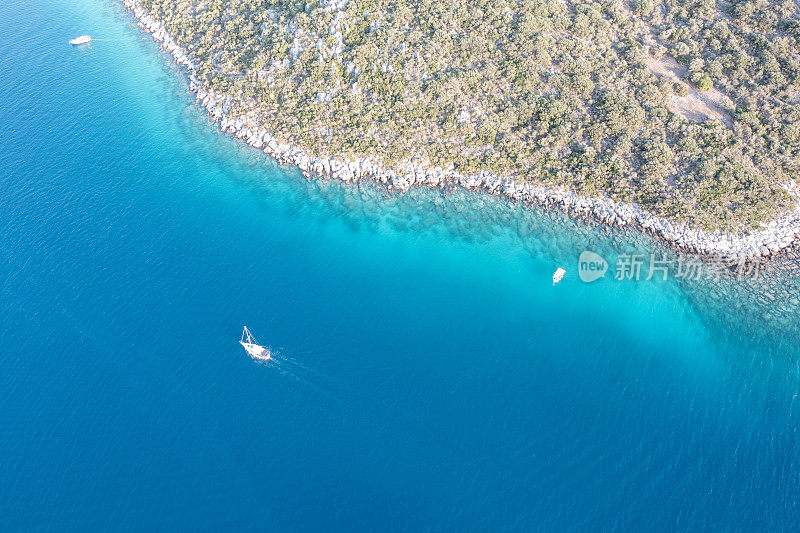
[{"x": 293, "y": 368}]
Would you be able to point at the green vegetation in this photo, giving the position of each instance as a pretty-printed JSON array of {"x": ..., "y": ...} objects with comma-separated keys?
[
  {"x": 704, "y": 83},
  {"x": 541, "y": 90}
]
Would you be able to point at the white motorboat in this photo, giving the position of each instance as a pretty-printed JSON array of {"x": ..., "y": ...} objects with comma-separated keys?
[
  {"x": 253, "y": 349},
  {"x": 558, "y": 275},
  {"x": 83, "y": 39}
]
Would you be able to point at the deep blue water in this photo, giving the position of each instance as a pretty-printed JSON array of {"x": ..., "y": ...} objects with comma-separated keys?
[{"x": 428, "y": 375}]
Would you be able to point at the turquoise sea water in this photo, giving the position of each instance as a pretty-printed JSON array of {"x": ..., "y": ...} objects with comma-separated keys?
[{"x": 428, "y": 375}]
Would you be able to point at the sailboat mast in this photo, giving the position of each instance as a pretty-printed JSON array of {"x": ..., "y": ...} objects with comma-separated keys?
[{"x": 247, "y": 337}]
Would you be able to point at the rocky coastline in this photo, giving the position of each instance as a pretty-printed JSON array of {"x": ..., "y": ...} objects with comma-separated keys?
[{"x": 774, "y": 239}]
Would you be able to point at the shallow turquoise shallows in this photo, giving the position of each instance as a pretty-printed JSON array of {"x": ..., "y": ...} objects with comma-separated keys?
[{"x": 427, "y": 376}]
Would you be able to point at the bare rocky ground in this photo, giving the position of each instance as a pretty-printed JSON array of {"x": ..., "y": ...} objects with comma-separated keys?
[{"x": 697, "y": 106}]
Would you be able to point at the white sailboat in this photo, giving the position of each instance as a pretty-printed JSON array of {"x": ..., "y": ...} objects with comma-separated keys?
[
  {"x": 253, "y": 349},
  {"x": 82, "y": 39},
  {"x": 558, "y": 275}
]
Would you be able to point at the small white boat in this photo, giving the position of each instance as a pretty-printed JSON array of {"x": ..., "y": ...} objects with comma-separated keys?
[
  {"x": 253, "y": 349},
  {"x": 558, "y": 275},
  {"x": 83, "y": 39}
]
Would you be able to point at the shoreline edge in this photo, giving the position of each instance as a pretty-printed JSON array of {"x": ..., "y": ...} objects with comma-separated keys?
[{"x": 777, "y": 236}]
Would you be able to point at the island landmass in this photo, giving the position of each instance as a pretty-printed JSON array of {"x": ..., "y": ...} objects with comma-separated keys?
[{"x": 681, "y": 118}]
